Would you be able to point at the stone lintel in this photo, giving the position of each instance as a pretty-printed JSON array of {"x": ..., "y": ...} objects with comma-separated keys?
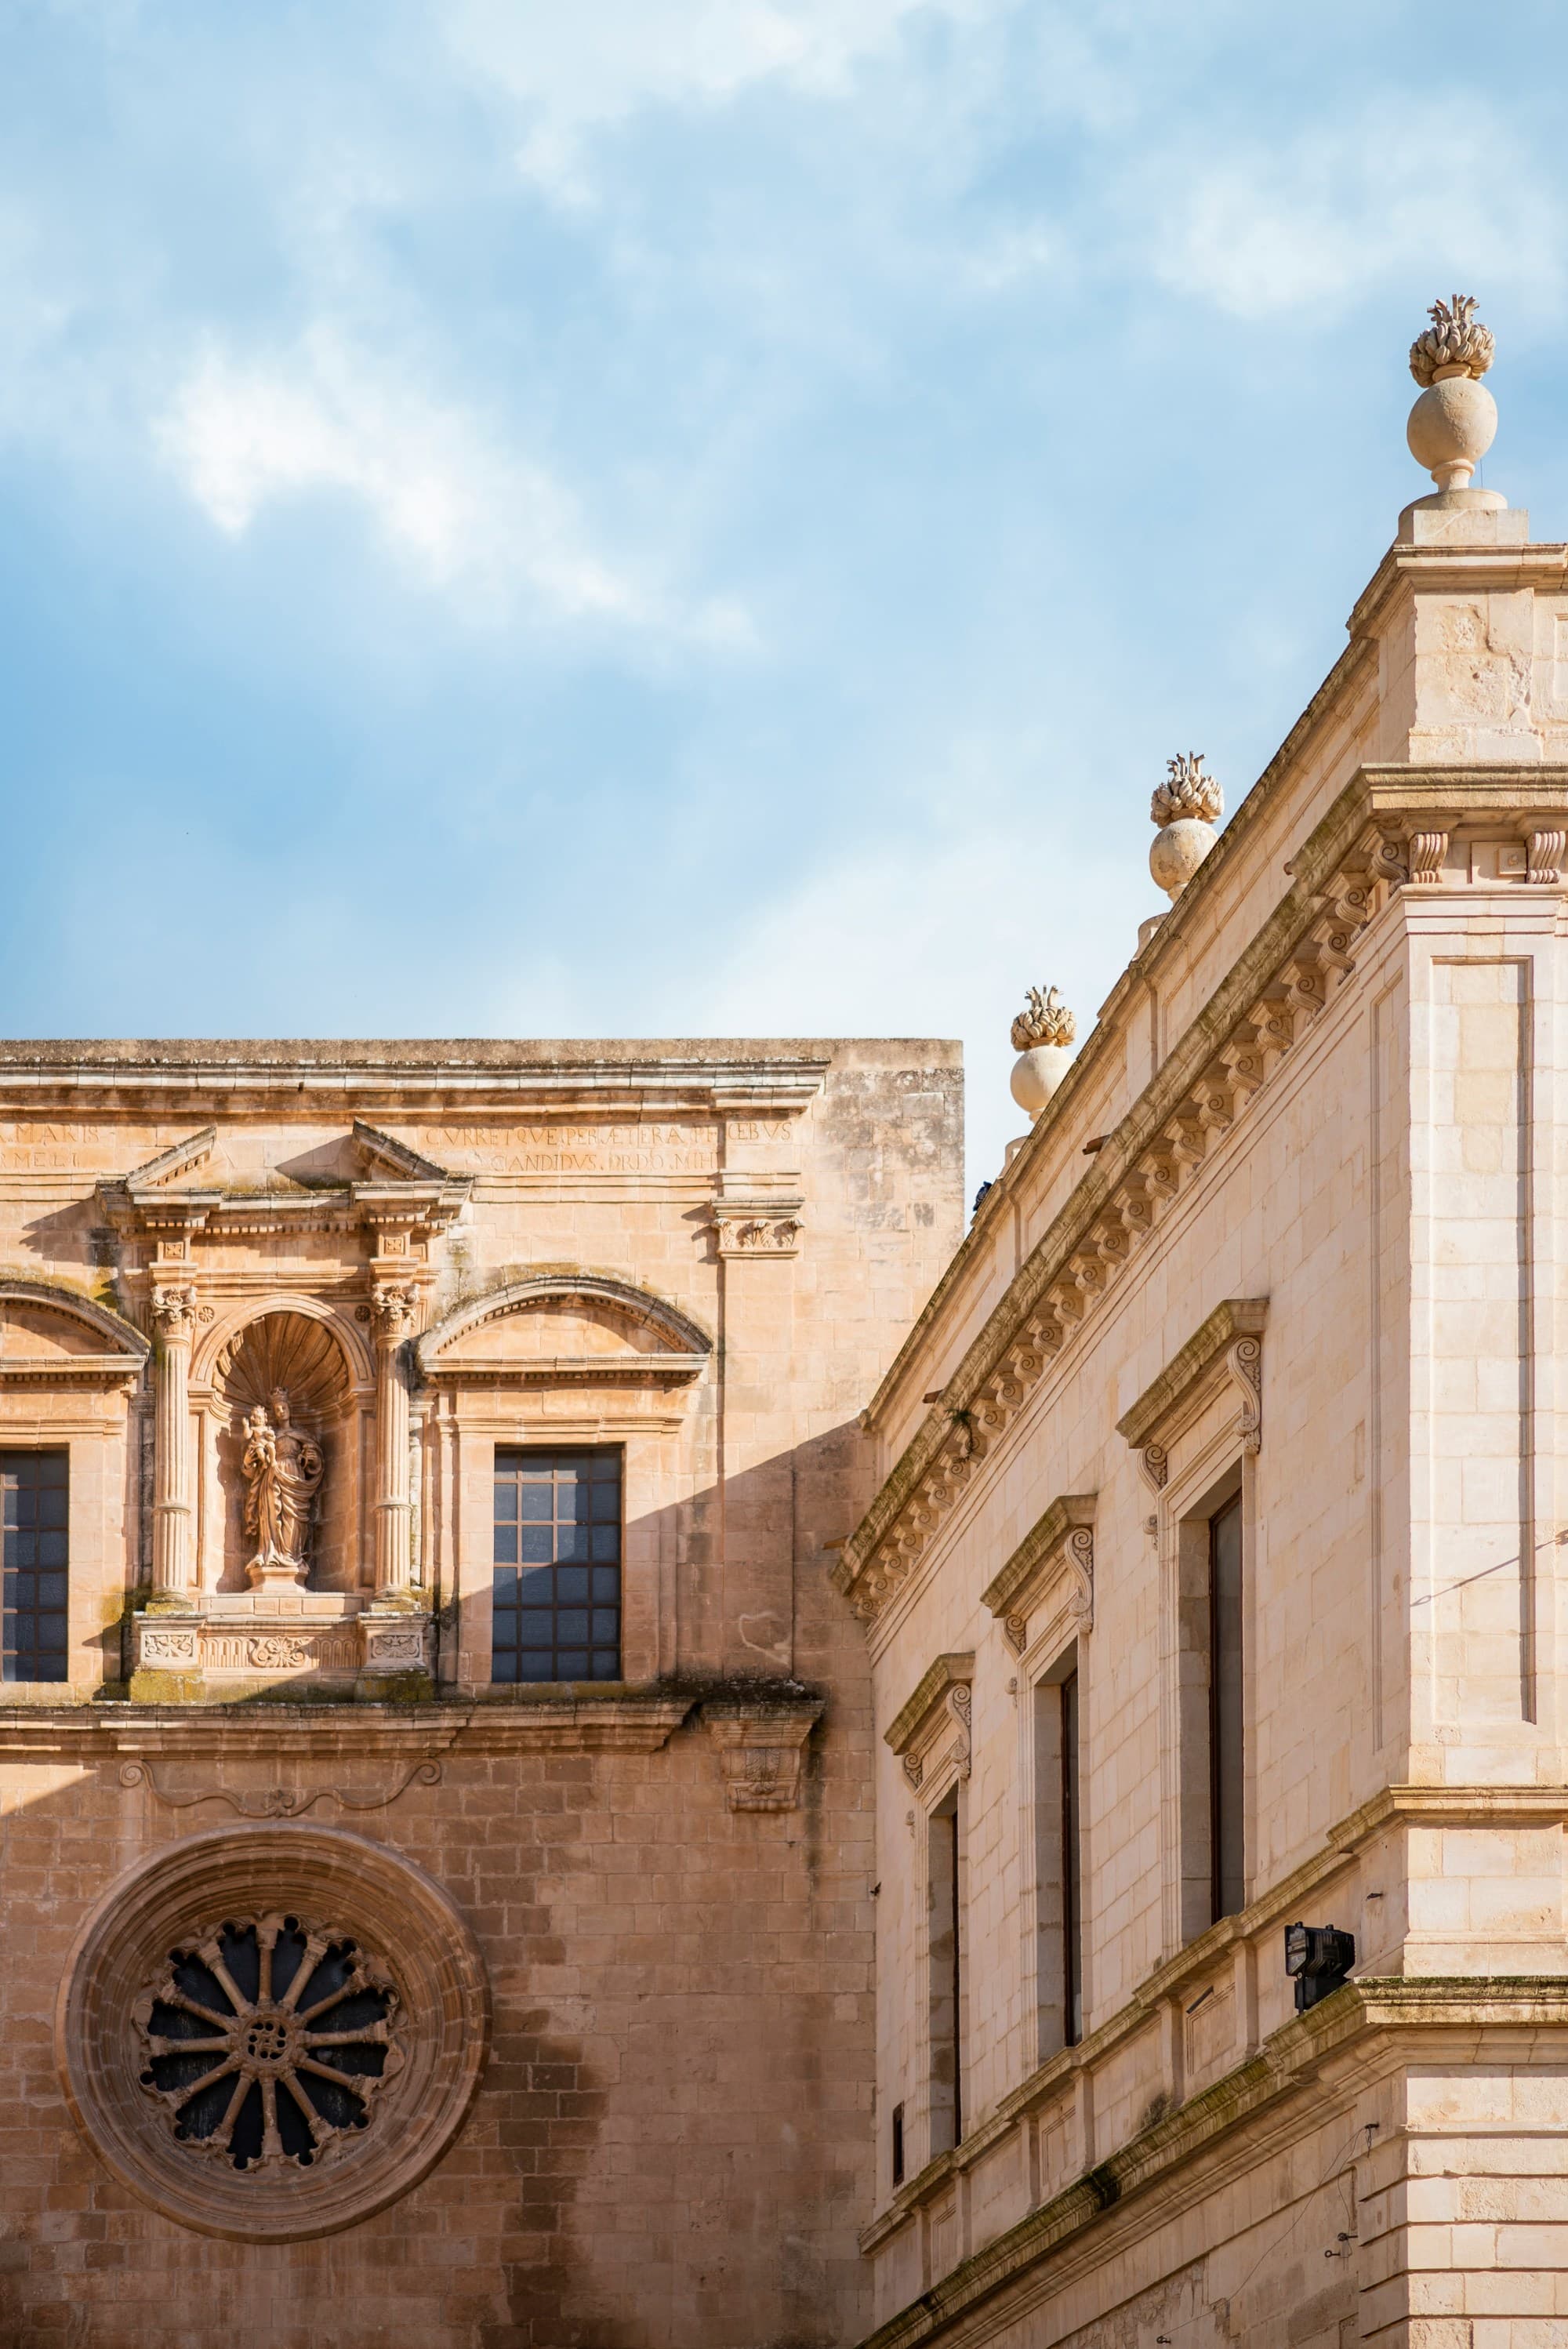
[
  {"x": 1161, "y": 1399},
  {"x": 915, "y": 1721},
  {"x": 1018, "y": 1590}
]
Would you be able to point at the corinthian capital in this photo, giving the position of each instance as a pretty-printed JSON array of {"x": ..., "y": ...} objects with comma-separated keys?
[
  {"x": 174, "y": 1312},
  {"x": 394, "y": 1310}
]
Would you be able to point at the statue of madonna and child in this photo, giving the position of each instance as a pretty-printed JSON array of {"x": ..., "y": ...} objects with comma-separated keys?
[{"x": 283, "y": 1470}]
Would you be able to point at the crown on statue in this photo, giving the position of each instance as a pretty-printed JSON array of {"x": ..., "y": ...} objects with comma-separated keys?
[
  {"x": 1044, "y": 1019},
  {"x": 1187, "y": 791},
  {"x": 1456, "y": 338}
]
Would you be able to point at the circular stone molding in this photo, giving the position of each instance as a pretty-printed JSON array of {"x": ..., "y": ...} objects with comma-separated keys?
[{"x": 269, "y": 2033}]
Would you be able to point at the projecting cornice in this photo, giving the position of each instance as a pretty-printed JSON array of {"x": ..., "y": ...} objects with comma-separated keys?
[
  {"x": 1228, "y": 1345},
  {"x": 1392, "y": 828},
  {"x": 766, "y": 1078}
]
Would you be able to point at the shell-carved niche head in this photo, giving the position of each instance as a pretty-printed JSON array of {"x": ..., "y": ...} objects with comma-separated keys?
[{"x": 288, "y": 1354}]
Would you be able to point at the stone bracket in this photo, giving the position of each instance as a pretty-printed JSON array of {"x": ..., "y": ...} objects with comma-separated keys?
[{"x": 761, "y": 1745}]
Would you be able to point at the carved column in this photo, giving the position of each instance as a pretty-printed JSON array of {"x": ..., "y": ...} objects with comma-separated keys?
[
  {"x": 173, "y": 1318},
  {"x": 394, "y": 1319}
]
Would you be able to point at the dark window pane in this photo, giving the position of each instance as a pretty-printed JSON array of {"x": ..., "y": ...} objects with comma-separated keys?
[
  {"x": 566, "y": 1505},
  {"x": 35, "y": 1585}
]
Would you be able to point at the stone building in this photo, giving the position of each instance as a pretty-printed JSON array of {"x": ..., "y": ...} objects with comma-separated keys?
[
  {"x": 1214, "y": 1584},
  {"x": 615, "y": 1736},
  {"x": 437, "y": 1848}
]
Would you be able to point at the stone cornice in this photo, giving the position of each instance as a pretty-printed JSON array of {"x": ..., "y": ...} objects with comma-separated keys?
[
  {"x": 1387, "y": 831},
  {"x": 1065, "y": 1531},
  {"x": 777, "y": 1077},
  {"x": 1145, "y": 968},
  {"x": 271, "y": 1732}
]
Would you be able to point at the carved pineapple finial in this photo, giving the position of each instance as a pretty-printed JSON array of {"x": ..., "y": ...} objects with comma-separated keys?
[
  {"x": 1456, "y": 338},
  {"x": 1454, "y": 423},
  {"x": 1186, "y": 806},
  {"x": 1187, "y": 790},
  {"x": 1044, "y": 1019},
  {"x": 1042, "y": 1037}
]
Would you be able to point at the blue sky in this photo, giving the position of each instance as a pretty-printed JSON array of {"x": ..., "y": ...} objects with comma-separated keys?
[{"x": 702, "y": 516}]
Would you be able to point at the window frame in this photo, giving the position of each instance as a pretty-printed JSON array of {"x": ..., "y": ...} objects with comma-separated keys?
[
  {"x": 9, "y": 1613},
  {"x": 508, "y": 1469}
]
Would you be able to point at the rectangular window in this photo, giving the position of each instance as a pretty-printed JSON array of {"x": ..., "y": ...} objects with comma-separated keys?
[
  {"x": 945, "y": 1911},
  {"x": 556, "y": 1611},
  {"x": 1059, "y": 1942},
  {"x": 1072, "y": 1942},
  {"x": 1227, "y": 1780},
  {"x": 897, "y": 2144},
  {"x": 33, "y": 1493}
]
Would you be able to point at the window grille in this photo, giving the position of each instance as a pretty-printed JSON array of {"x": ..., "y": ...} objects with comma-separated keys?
[
  {"x": 556, "y": 1612},
  {"x": 33, "y": 1502}
]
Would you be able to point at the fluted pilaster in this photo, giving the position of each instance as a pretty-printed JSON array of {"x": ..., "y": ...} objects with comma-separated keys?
[{"x": 173, "y": 1319}]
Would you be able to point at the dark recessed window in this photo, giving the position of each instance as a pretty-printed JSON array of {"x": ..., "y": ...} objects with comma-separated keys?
[
  {"x": 32, "y": 1491},
  {"x": 557, "y": 1592}
]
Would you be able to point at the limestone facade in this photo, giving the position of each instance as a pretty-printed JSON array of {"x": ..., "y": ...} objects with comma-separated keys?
[
  {"x": 1286, "y": 1241},
  {"x": 367, "y": 1981}
]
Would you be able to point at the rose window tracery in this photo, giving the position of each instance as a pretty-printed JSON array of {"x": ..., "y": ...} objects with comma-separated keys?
[{"x": 266, "y": 2041}]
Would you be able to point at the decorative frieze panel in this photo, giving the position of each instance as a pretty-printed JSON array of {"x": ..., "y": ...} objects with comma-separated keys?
[{"x": 214, "y": 1650}]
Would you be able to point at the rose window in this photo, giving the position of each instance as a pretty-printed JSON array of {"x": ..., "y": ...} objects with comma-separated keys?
[
  {"x": 238, "y": 2050},
  {"x": 267, "y": 2041}
]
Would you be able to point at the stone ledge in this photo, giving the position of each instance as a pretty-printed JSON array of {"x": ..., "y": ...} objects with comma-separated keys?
[
  {"x": 272, "y": 1731},
  {"x": 1352, "y": 2021}
]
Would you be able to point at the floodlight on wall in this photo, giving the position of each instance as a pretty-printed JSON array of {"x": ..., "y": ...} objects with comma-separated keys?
[{"x": 1318, "y": 1959}]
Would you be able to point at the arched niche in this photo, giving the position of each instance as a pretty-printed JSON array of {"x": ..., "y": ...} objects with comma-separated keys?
[
  {"x": 579, "y": 1327},
  {"x": 302, "y": 1355}
]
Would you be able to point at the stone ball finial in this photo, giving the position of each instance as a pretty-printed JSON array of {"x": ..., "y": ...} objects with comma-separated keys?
[
  {"x": 1454, "y": 423},
  {"x": 1186, "y": 806},
  {"x": 1042, "y": 1035}
]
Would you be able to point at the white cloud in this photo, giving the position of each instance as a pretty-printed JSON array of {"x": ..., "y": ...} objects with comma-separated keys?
[
  {"x": 578, "y": 68},
  {"x": 936, "y": 939},
  {"x": 1323, "y": 217},
  {"x": 463, "y": 512}
]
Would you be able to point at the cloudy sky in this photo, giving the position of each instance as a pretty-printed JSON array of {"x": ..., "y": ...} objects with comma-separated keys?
[{"x": 702, "y": 516}]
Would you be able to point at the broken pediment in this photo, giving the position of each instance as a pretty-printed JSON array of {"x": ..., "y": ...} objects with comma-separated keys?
[
  {"x": 553, "y": 1328},
  {"x": 51, "y": 1337},
  {"x": 226, "y": 1181}
]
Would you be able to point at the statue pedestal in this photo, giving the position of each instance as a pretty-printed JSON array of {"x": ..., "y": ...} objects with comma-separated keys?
[{"x": 318, "y": 1644}]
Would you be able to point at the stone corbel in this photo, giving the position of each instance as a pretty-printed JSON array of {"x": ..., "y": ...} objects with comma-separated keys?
[
  {"x": 1544, "y": 852},
  {"x": 1227, "y": 1351},
  {"x": 761, "y": 1746},
  {"x": 1054, "y": 1560},
  {"x": 941, "y": 1704}
]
